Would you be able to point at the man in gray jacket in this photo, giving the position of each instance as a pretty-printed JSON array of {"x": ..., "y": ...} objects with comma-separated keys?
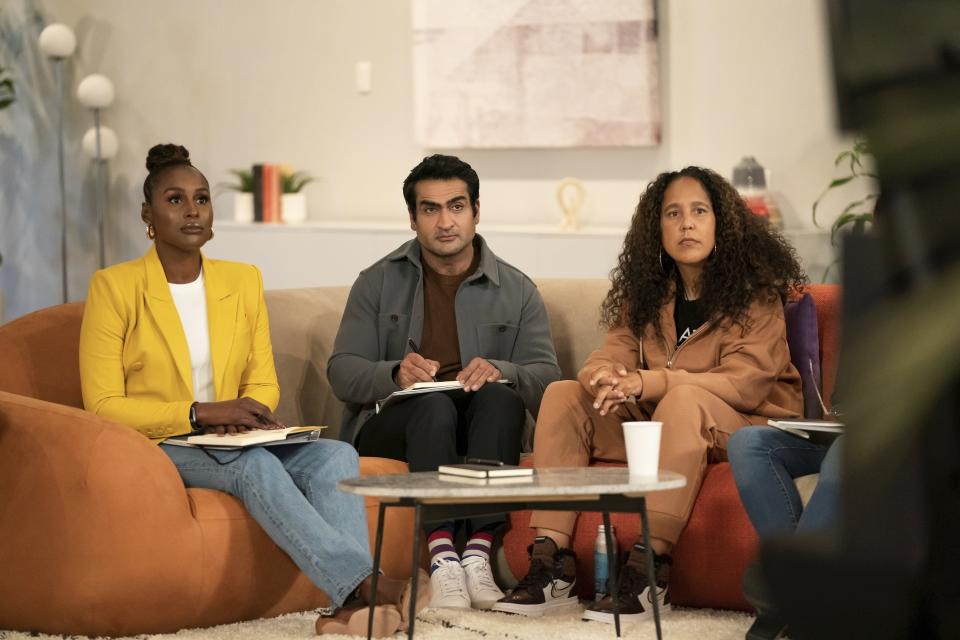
[{"x": 444, "y": 307}]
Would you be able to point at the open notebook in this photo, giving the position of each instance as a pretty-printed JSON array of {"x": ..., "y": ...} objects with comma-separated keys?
[
  {"x": 803, "y": 427},
  {"x": 419, "y": 388},
  {"x": 255, "y": 438}
]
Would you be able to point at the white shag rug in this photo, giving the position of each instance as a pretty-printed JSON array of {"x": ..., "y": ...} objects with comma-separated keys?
[{"x": 445, "y": 624}]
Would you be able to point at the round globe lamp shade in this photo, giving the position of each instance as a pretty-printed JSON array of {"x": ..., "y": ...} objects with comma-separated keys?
[
  {"x": 57, "y": 41},
  {"x": 109, "y": 145},
  {"x": 95, "y": 92}
]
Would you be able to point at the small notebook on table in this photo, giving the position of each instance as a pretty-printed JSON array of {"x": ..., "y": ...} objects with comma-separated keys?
[
  {"x": 255, "y": 438},
  {"x": 484, "y": 471},
  {"x": 485, "y": 482}
]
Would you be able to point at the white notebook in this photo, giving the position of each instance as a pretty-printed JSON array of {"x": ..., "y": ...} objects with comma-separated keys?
[
  {"x": 484, "y": 470},
  {"x": 803, "y": 426},
  {"x": 257, "y": 437},
  {"x": 419, "y": 388}
]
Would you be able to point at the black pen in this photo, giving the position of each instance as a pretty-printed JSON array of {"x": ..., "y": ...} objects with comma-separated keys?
[
  {"x": 416, "y": 350},
  {"x": 492, "y": 463}
]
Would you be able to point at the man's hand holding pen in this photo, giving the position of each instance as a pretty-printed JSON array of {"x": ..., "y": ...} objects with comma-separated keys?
[{"x": 415, "y": 368}]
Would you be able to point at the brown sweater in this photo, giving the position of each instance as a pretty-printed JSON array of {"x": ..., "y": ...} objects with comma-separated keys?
[{"x": 751, "y": 372}]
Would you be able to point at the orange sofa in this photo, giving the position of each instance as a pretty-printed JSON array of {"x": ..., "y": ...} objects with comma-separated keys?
[
  {"x": 718, "y": 541},
  {"x": 85, "y": 502},
  {"x": 81, "y": 499}
]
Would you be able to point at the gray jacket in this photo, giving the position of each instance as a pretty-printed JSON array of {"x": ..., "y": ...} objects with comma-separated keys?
[{"x": 500, "y": 317}]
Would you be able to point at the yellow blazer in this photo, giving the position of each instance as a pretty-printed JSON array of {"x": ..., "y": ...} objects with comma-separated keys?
[{"x": 134, "y": 361}]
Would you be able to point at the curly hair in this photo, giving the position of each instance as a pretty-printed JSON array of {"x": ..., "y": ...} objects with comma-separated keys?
[{"x": 750, "y": 260}]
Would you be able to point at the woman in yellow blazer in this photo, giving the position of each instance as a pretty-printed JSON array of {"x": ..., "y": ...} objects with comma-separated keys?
[{"x": 174, "y": 343}]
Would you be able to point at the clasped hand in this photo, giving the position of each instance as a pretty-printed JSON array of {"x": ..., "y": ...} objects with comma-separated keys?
[
  {"x": 230, "y": 417},
  {"x": 612, "y": 386},
  {"x": 415, "y": 368}
]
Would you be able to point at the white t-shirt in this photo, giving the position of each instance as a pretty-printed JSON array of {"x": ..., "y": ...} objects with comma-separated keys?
[{"x": 191, "y": 301}]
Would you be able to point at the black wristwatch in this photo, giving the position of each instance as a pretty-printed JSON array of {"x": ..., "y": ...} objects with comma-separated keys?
[{"x": 193, "y": 417}]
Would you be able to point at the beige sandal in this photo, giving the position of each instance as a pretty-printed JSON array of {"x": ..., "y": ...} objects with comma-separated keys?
[
  {"x": 424, "y": 593},
  {"x": 353, "y": 622}
]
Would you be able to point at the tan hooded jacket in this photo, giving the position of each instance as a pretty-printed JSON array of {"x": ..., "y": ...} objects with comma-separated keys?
[{"x": 751, "y": 371}]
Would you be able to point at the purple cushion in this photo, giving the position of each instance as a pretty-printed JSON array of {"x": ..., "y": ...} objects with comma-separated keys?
[{"x": 801, "y": 318}]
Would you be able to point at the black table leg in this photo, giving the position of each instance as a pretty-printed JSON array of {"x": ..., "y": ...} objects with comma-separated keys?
[
  {"x": 376, "y": 568},
  {"x": 651, "y": 570},
  {"x": 612, "y": 583},
  {"x": 413, "y": 572}
]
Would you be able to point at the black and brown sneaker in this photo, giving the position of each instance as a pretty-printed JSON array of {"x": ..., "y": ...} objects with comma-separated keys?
[
  {"x": 548, "y": 585},
  {"x": 635, "y": 596}
]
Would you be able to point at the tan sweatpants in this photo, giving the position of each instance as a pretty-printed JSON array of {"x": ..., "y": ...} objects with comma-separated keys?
[{"x": 696, "y": 426}]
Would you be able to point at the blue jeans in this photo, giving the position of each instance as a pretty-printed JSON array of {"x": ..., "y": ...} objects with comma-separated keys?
[
  {"x": 765, "y": 461},
  {"x": 291, "y": 491}
]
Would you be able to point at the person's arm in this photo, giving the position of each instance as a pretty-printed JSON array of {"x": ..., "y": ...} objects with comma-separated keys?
[
  {"x": 259, "y": 379},
  {"x": 620, "y": 348},
  {"x": 355, "y": 372},
  {"x": 748, "y": 368},
  {"x": 534, "y": 365},
  {"x": 102, "y": 334}
]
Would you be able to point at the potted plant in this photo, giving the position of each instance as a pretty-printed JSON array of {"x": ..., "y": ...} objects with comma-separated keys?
[
  {"x": 243, "y": 195},
  {"x": 293, "y": 203},
  {"x": 858, "y": 214}
]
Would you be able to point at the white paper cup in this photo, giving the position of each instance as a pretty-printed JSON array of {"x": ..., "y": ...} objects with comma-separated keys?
[{"x": 643, "y": 447}]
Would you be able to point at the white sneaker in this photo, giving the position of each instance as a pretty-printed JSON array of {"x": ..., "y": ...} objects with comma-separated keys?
[
  {"x": 449, "y": 586},
  {"x": 481, "y": 586}
]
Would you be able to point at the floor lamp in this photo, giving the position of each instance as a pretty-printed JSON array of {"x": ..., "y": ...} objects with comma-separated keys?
[
  {"x": 100, "y": 143},
  {"x": 58, "y": 43}
]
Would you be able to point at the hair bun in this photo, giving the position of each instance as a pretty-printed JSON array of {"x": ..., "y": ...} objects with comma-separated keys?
[{"x": 162, "y": 155}]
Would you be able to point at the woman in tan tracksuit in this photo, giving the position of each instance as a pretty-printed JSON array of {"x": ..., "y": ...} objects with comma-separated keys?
[{"x": 696, "y": 339}]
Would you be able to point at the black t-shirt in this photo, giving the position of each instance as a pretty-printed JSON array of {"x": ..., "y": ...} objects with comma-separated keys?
[{"x": 687, "y": 315}]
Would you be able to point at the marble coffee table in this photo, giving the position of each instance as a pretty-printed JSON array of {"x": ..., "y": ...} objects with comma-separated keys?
[{"x": 606, "y": 489}]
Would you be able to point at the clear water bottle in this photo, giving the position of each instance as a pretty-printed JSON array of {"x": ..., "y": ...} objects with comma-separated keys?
[{"x": 601, "y": 566}]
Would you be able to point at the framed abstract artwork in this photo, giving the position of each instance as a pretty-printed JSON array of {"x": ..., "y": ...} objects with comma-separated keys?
[{"x": 536, "y": 73}]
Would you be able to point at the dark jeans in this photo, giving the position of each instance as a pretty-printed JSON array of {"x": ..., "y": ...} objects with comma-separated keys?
[
  {"x": 435, "y": 428},
  {"x": 765, "y": 462}
]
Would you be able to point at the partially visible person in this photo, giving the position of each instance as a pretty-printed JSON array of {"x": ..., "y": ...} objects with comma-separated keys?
[
  {"x": 697, "y": 340},
  {"x": 442, "y": 307},
  {"x": 175, "y": 343},
  {"x": 765, "y": 462}
]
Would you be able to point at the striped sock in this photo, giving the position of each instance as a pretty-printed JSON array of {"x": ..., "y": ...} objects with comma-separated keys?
[
  {"x": 440, "y": 543},
  {"x": 479, "y": 545}
]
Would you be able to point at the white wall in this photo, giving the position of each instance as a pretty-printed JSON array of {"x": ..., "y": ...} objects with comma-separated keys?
[{"x": 243, "y": 81}]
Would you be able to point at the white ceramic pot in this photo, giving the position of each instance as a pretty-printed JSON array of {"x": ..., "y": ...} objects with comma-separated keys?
[
  {"x": 293, "y": 207},
  {"x": 243, "y": 207}
]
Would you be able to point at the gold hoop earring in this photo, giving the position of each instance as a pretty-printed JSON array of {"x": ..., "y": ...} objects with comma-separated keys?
[
  {"x": 151, "y": 231},
  {"x": 660, "y": 257}
]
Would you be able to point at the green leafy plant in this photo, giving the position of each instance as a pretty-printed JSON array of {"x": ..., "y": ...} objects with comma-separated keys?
[
  {"x": 244, "y": 183},
  {"x": 7, "y": 93},
  {"x": 290, "y": 181},
  {"x": 294, "y": 181},
  {"x": 855, "y": 213},
  {"x": 858, "y": 213}
]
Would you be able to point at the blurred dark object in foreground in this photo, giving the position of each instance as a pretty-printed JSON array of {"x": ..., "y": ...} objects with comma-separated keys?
[{"x": 892, "y": 572}]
